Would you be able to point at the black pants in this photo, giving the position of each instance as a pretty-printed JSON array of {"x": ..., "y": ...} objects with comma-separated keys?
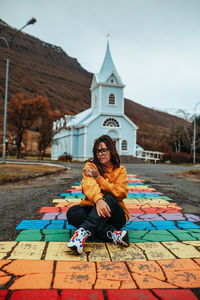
[{"x": 87, "y": 218}]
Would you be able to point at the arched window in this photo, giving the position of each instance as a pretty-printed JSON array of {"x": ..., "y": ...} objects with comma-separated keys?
[
  {"x": 111, "y": 122},
  {"x": 124, "y": 145},
  {"x": 111, "y": 100}
]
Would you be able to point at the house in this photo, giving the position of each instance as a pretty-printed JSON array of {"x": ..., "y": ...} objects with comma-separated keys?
[{"x": 76, "y": 134}]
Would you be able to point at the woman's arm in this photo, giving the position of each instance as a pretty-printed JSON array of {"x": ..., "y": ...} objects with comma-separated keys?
[
  {"x": 119, "y": 188},
  {"x": 90, "y": 186}
]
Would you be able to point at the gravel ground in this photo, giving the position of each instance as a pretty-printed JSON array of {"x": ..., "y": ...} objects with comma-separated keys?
[{"x": 22, "y": 200}]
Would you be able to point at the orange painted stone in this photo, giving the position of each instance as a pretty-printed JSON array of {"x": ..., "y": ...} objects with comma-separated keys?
[
  {"x": 183, "y": 264},
  {"x": 113, "y": 271},
  {"x": 197, "y": 260},
  {"x": 107, "y": 284},
  {"x": 4, "y": 262},
  {"x": 184, "y": 273},
  {"x": 74, "y": 280},
  {"x": 2, "y": 274},
  {"x": 33, "y": 281},
  {"x": 175, "y": 294},
  {"x": 184, "y": 279},
  {"x": 130, "y": 295},
  {"x": 75, "y": 266},
  {"x": 148, "y": 268},
  {"x": 35, "y": 295},
  {"x": 149, "y": 282},
  {"x": 128, "y": 284},
  {"x": 4, "y": 280},
  {"x": 22, "y": 267},
  {"x": 70, "y": 275}
]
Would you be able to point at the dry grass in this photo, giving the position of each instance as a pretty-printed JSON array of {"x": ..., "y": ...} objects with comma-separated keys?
[
  {"x": 10, "y": 172},
  {"x": 193, "y": 173}
]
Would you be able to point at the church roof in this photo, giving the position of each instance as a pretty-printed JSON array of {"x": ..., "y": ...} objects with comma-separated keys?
[
  {"x": 80, "y": 118},
  {"x": 107, "y": 68}
]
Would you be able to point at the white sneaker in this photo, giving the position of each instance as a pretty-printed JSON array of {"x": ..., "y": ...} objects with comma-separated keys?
[
  {"x": 78, "y": 240},
  {"x": 119, "y": 237}
]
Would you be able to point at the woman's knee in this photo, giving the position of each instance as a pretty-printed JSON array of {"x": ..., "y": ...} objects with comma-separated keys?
[
  {"x": 111, "y": 200},
  {"x": 72, "y": 212}
]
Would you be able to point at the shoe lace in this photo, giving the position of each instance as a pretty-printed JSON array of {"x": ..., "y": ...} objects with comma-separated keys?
[
  {"x": 82, "y": 233},
  {"x": 112, "y": 235}
]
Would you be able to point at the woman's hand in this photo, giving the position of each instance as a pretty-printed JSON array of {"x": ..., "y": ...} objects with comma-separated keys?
[
  {"x": 103, "y": 209},
  {"x": 92, "y": 172}
]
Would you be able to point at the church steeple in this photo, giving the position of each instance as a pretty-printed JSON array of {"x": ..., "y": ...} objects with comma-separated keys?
[
  {"x": 108, "y": 68},
  {"x": 107, "y": 89}
]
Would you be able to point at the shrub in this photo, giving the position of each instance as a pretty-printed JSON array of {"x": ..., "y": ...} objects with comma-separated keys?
[
  {"x": 65, "y": 157},
  {"x": 179, "y": 157}
]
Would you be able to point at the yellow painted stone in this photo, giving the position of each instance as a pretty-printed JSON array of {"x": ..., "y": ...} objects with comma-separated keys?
[
  {"x": 96, "y": 252},
  {"x": 6, "y": 247},
  {"x": 119, "y": 253},
  {"x": 194, "y": 243},
  {"x": 73, "y": 200},
  {"x": 60, "y": 251},
  {"x": 135, "y": 201},
  {"x": 155, "y": 251},
  {"x": 59, "y": 201},
  {"x": 28, "y": 250},
  {"x": 157, "y": 200},
  {"x": 182, "y": 250}
]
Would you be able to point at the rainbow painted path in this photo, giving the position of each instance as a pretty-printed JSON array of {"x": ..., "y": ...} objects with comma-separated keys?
[{"x": 162, "y": 261}]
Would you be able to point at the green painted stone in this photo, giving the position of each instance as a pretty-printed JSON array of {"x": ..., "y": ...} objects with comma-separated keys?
[
  {"x": 183, "y": 235},
  {"x": 32, "y": 235},
  {"x": 141, "y": 236},
  {"x": 56, "y": 235},
  {"x": 195, "y": 233}
]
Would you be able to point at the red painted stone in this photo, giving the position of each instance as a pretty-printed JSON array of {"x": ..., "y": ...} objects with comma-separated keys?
[
  {"x": 35, "y": 295},
  {"x": 130, "y": 295},
  {"x": 82, "y": 294},
  {"x": 48, "y": 209},
  {"x": 175, "y": 294},
  {"x": 3, "y": 294}
]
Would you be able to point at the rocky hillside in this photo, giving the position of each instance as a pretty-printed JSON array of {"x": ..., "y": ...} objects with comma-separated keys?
[{"x": 39, "y": 68}]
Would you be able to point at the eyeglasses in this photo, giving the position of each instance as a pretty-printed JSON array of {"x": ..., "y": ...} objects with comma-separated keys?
[{"x": 103, "y": 151}]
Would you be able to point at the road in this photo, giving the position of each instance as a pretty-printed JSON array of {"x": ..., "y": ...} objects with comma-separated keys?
[{"x": 22, "y": 200}]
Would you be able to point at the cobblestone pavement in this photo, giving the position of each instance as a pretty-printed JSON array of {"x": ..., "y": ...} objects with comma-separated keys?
[{"x": 162, "y": 261}]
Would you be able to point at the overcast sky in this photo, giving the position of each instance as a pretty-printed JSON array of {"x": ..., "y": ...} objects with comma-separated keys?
[{"x": 155, "y": 44}]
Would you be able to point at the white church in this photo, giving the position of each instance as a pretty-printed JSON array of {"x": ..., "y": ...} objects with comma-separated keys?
[{"x": 76, "y": 134}]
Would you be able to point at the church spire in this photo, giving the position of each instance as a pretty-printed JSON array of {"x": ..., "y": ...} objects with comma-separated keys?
[{"x": 107, "y": 67}]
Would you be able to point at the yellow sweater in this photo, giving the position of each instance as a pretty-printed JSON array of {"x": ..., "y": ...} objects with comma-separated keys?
[{"x": 114, "y": 181}]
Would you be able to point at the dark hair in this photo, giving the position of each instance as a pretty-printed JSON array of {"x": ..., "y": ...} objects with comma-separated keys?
[{"x": 113, "y": 152}]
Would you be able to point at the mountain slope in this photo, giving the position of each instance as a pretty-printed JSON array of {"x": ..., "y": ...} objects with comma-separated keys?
[{"x": 39, "y": 68}]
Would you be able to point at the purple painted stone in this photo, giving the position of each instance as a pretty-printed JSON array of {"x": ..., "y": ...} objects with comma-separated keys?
[
  {"x": 173, "y": 216},
  {"x": 50, "y": 216},
  {"x": 62, "y": 216},
  {"x": 192, "y": 218},
  {"x": 151, "y": 217}
]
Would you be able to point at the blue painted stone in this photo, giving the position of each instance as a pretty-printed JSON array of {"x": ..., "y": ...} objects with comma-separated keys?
[
  {"x": 68, "y": 226},
  {"x": 138, "y": 226},
  {"x": 162, "y": 225},
  {"x": 187, "y": 225},
  {"x": 56, "y": 224},
  {"x": 33, "y": 224}
]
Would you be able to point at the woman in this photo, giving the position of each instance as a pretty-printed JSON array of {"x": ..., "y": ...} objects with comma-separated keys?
[{"x": 102, "y": 213}]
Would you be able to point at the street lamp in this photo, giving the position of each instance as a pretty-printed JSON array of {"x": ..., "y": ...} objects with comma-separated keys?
[
  {"x": 8, "y": 44},
  {"x": 194, "y": 135}
]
